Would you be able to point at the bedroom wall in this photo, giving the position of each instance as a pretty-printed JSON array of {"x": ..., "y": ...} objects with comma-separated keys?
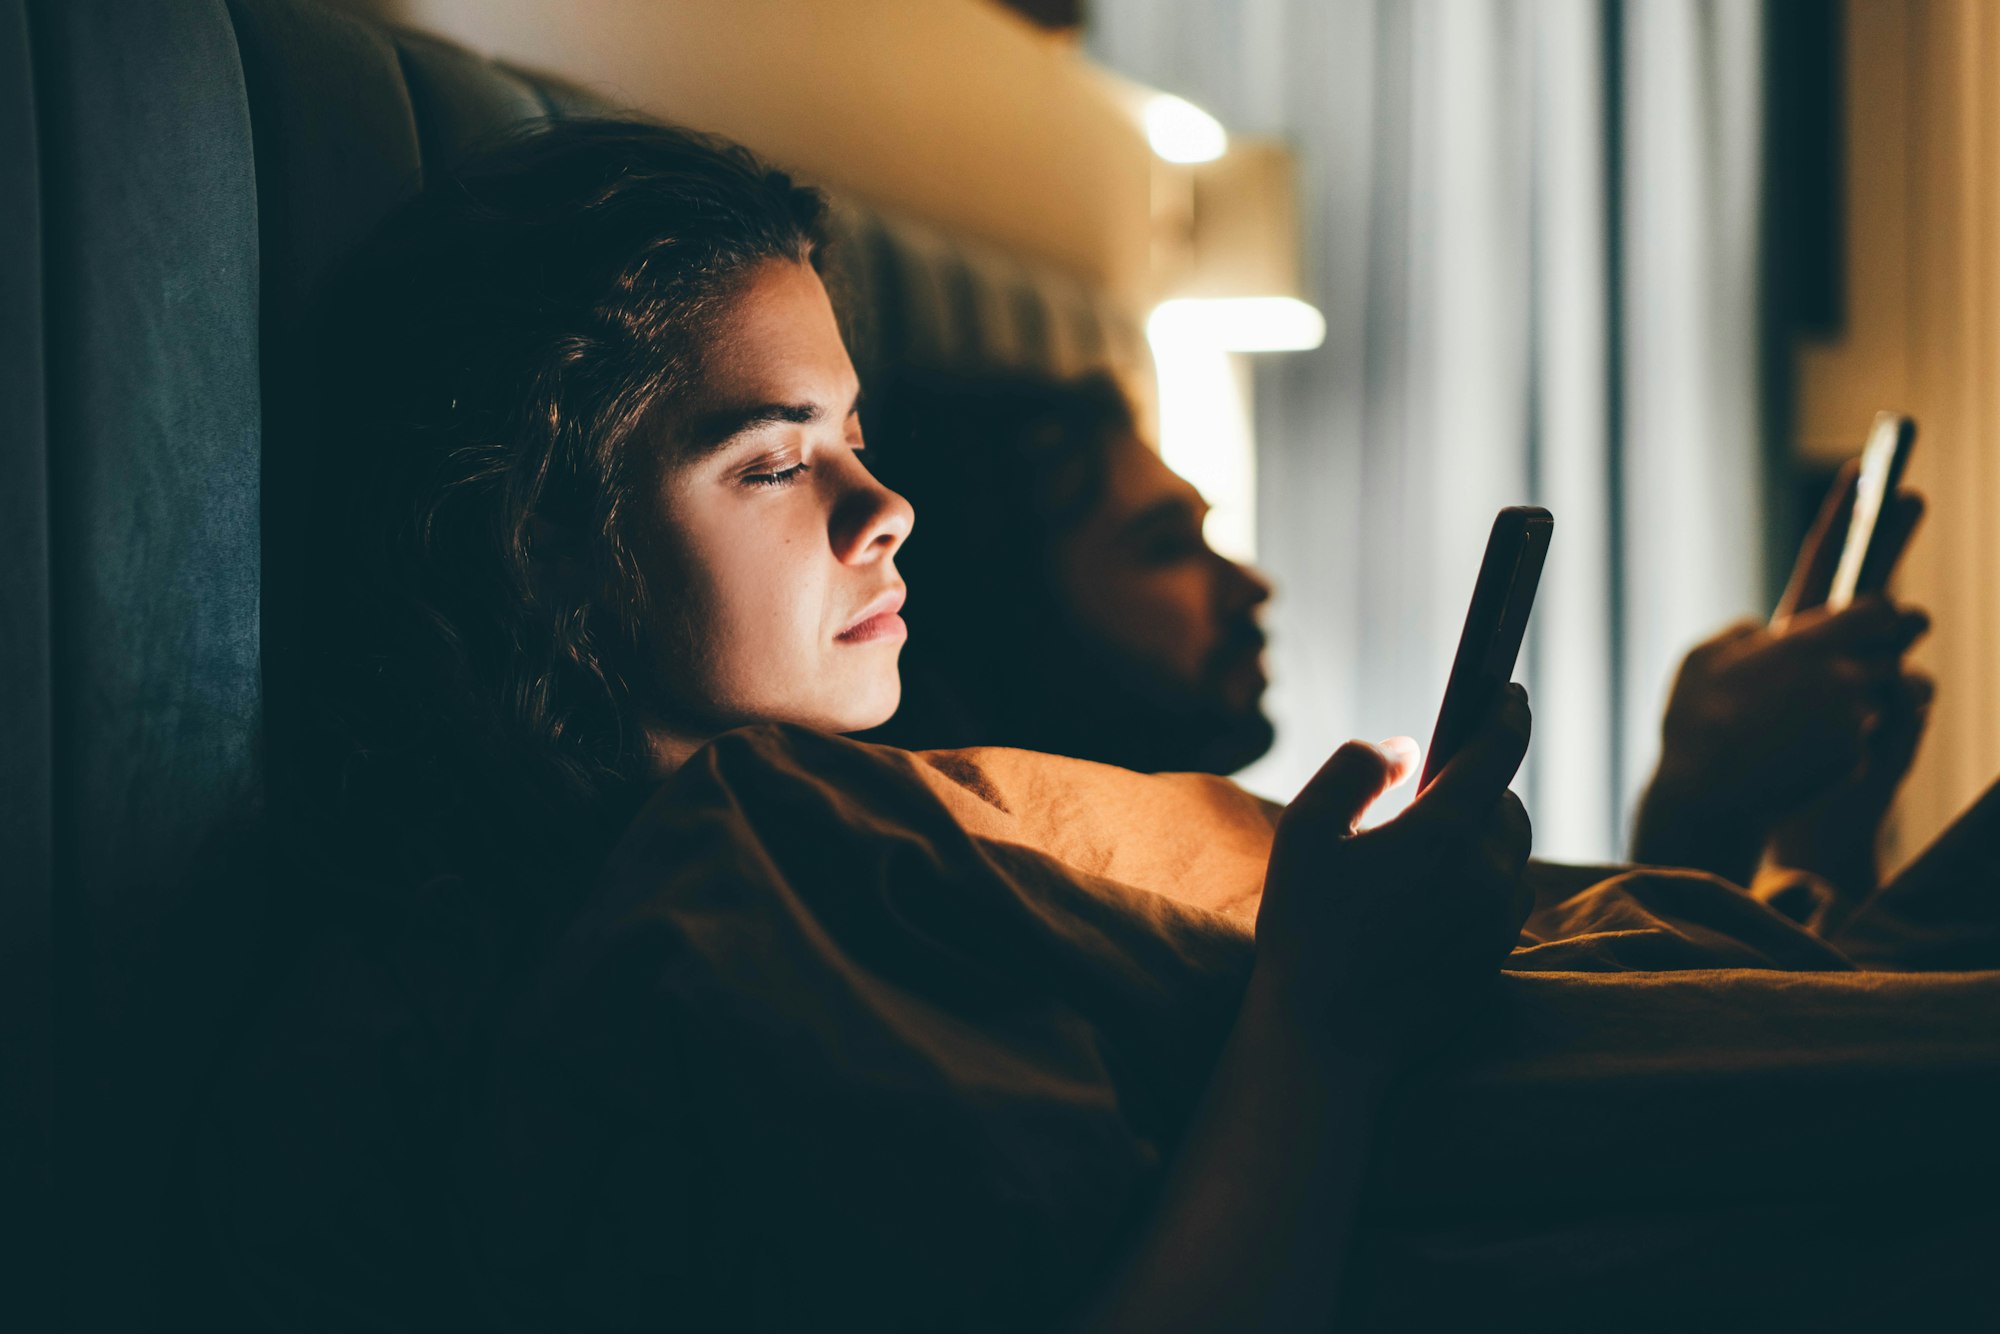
[
  {"x": 1923, "y": 334},
  {"x": 954, "y": 111}
]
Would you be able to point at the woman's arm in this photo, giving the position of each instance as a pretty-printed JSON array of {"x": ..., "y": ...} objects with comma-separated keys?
[
  {"x": 1371, "y": 947},
  {"x": 1252, "y": 1228}
]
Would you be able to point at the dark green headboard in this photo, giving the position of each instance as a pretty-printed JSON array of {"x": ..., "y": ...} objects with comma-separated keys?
[{"x": 174, "y": 174}]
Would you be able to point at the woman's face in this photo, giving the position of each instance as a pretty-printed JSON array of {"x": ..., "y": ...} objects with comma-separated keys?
[{"x": 773, "y": 548}]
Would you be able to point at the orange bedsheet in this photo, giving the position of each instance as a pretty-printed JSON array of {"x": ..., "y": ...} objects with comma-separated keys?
[{"x": 905, "y": 1041}]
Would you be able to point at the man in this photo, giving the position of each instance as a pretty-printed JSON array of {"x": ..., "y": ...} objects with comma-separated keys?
[
  {"x": 1086, "y": 613},
  {"x": 1092, "y": 618}
]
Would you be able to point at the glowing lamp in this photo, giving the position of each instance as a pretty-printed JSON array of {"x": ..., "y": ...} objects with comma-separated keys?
[
  {"x": 1239, "y": 323},
  {"x": 1180, "y": 131}
]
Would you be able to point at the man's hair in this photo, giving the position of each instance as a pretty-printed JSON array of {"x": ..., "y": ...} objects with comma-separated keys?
[
  {"x": 1001, "y": 466},
  {"x": 496, "y": 363}
]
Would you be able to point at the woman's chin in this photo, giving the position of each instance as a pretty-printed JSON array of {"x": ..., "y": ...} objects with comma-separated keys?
[
  {"x": 877, "y": 709},
  {"x": 860, "y": 705}
]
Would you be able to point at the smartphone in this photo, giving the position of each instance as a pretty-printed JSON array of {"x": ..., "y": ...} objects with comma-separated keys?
[
  {"x": 1864, "y": 563},
  {"x": 1495, "y": 625}
]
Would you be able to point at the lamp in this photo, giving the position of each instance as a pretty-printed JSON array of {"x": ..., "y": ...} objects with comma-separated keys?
[
  {"x": 1180, "y": 131},
  {"x": 1225, "y": 263},
  {"x": 1226, "y": 248}
]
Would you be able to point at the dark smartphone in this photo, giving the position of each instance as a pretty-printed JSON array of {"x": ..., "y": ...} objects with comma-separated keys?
[
  {"x": 1864, "y": 562},
  {"x": 1495, "y": 625}
]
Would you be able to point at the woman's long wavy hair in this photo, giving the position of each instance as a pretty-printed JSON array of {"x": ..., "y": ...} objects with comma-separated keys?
[{"x": 496, "y": 364}]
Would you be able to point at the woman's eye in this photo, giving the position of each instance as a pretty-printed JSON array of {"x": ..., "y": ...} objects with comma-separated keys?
[{"x": 779, "y": 477}]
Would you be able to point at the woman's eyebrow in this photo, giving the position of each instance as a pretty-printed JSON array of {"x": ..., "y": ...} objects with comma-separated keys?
[
  {"x": 712, "y": 431},
  {"x": 716, "y": 429}
]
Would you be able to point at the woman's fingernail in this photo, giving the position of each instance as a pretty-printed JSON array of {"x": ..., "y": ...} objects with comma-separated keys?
[{"x": 1403, "y": 750}]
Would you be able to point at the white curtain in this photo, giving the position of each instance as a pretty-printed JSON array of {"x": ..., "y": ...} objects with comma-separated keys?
[{"x": 1534, "y": 229}]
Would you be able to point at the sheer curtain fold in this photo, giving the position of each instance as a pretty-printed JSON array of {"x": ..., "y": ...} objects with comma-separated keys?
[{"x": 1532, "y": 226}]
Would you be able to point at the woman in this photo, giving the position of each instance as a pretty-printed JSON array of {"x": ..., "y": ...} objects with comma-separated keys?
[
  {"x": 839, "y": 1036},
  {"x": 600, "y": 498}
]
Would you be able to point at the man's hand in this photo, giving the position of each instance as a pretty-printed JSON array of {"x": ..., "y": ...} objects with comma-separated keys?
[
  {"x": 1762, "y": 721},
  {"x": 1808, "y": 723},
  {"x": 1835, "y": 835}
]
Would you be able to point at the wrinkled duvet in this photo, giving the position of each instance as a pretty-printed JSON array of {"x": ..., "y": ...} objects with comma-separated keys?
[{"x": 852, "y": 1038}]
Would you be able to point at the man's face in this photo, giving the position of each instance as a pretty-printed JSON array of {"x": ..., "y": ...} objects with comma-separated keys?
[
  {"x": 1175, "y": 622},
  {"x": 771, "y": 548}
]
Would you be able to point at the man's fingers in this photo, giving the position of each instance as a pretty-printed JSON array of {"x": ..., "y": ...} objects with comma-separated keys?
[
  {"x": 1351, "y": 779},
  {"x": 1918, "y": 690},
  {"x": 1465, "y": 791},
  {"x": 1733, "y": 633},
  {"x": 1887, "y": 753},
  {"x": 1866, "y": 679},
  {"x": 1893, "y": 743},
  {"x": 1819, "y": 554},
  {"x": 1870, "y": 625}
]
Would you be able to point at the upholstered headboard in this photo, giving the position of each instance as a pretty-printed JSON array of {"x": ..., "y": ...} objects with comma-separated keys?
[{"x": 175, "y": 175}]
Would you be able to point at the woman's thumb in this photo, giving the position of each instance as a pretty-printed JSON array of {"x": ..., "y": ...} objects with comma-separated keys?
[{"x": 1353, "y": 777}]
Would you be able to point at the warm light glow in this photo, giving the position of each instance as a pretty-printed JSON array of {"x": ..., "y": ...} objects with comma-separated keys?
[
  {"x": 1240, "y": 324},
  {"x": 1180, "y": 131},
  {"x": 1205, "y": 431}
]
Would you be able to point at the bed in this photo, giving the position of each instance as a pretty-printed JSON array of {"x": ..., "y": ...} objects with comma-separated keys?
[
  {"x": 850, "y": 1036},
  {"x": 1649, "y": 1135}
]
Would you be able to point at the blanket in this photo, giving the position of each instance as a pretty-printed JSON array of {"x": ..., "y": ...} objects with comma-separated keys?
[
  {"x": 845, "y": 1037},
  {"x": 851, "y": 1037}
]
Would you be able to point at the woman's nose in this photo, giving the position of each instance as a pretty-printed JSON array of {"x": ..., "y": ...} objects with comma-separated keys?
[{"x": 870, "y": 522}]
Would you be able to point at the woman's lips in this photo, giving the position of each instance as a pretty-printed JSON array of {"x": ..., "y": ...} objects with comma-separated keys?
[{"x": 878, "y": 620}]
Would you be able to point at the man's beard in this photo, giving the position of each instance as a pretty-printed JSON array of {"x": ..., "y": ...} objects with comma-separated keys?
[
  {"x": 1224, "y": 743},
  {"x": 1123, "y": 711},
  {"x": 1232, "y": 733}
]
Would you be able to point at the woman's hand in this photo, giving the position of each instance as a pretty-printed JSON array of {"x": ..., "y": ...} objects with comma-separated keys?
[
  {"x": 1370, "y": 947},
  {"x": 1383, "y": 939}
]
